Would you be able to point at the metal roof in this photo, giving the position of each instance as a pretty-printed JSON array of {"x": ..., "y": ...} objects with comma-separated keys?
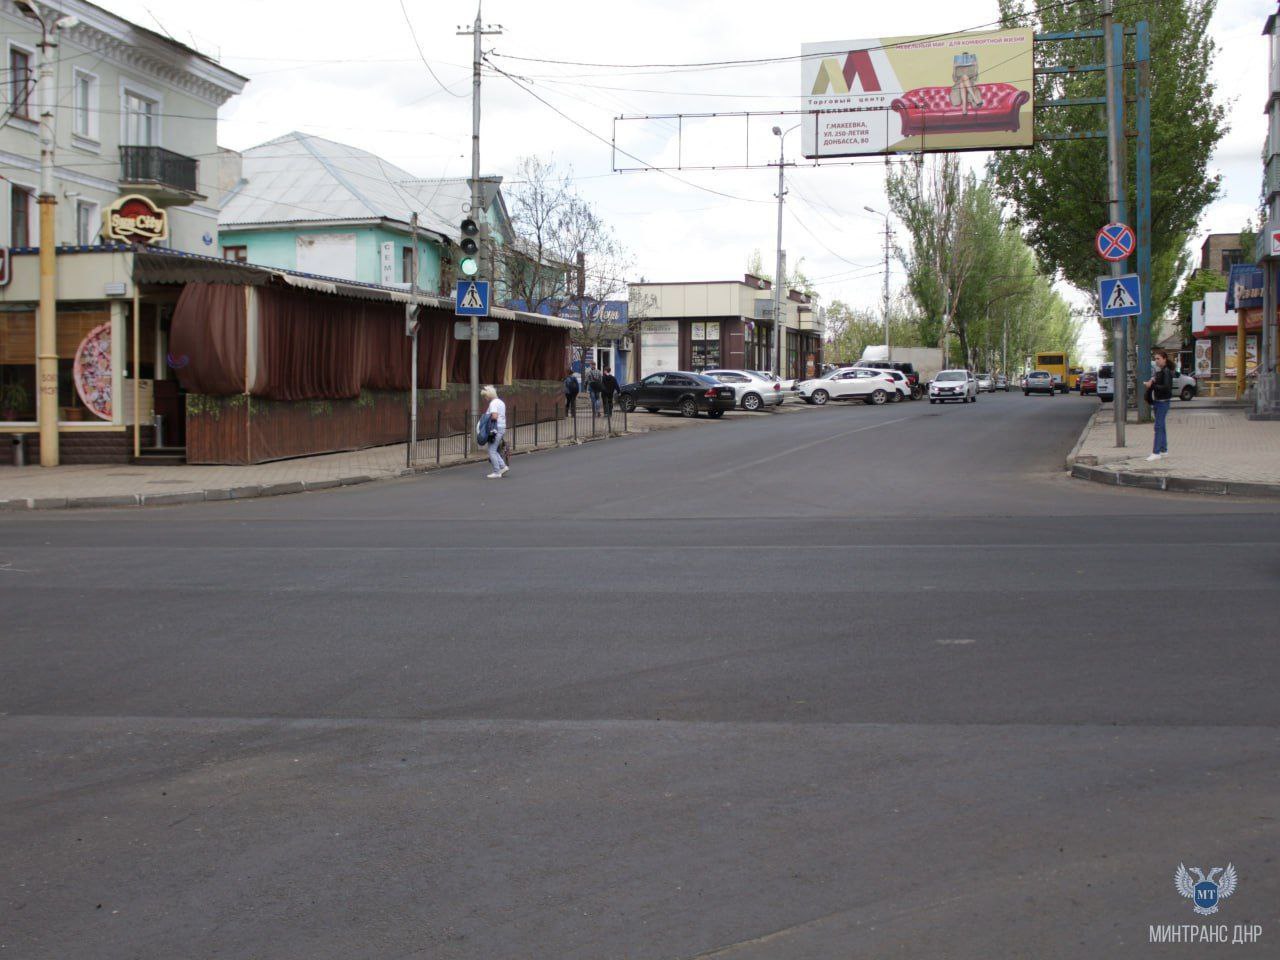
[{"x": 299, "y": 177}]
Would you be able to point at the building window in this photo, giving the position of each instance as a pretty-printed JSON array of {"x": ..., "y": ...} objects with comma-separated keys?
[
  {"x": 87, "y": 222},
  {"x": 20, "y": 216},
  {"x": 238, "y": 254},
  {"x": 705, "y": 338},
  {"x": 406, "y": 264},
  {"x": 1230, "y": 258},
  {"x": 17, "y": 367},
  {"x": 85, "y": 105},
  {"x": 793, "y": 354},
  {"x": 20, "y": 83},
  {"x": 141, "y": 120}
]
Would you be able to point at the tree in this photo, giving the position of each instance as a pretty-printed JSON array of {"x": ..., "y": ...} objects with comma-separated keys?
[
  {"x": 1059, "y": 188},
  {"x": 797, "y": 279},
  {"x": 850, "y": 330}
]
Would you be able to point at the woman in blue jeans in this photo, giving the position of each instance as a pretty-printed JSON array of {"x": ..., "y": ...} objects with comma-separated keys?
[{"x": 1161, "y": 387}]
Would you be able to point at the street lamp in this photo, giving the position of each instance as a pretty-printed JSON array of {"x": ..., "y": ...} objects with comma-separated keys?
[
  {"x": 47, "y": 328},
  {"x": 779, "y": 279},
  {"x": 888, "y": 347}
]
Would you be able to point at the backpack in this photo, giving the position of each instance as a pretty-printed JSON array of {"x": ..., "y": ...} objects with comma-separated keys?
[
  {"x": 485, "y": 430},
  {"x": 571, "y": 385}
]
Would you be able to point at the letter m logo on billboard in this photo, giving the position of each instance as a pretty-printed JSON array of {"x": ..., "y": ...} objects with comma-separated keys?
[{"x": 857, "y": 67}]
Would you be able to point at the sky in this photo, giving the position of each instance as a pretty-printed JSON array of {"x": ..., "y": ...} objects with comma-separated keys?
[{"x": 393, "y": 77}]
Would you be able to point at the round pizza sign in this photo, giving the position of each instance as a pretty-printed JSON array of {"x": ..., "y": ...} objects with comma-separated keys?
[{"x": 135, "y": 219}]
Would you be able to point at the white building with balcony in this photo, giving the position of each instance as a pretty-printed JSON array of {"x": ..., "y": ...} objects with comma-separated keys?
[{"x": 135, "y": 112}]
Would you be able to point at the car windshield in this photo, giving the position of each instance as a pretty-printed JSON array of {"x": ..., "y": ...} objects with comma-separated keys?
[{"x": 951, "y": 375}]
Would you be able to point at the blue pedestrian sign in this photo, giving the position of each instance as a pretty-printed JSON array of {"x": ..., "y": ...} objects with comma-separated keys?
[
  {"x": 1120, "y": 296},
  {"x": 471, "y": 299}
]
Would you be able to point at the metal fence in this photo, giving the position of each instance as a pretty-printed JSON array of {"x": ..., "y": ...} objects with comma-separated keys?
[{"x": 528, "y": 428}]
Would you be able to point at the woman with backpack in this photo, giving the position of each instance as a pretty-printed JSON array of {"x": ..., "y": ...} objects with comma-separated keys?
[
  {"x": 496, "y": 430},
  {"x": 571, "y": 390}
]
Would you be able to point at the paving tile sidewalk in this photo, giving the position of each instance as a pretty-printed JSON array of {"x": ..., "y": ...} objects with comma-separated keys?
[
  {"x": 120, "y": 485},
  {"x": 1212, "y": 449}
]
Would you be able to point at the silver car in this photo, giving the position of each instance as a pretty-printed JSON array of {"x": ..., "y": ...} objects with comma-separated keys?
[
  {"x": 986, "y": 384},
  {"x": 753, "y": 391},
  {"x": 954, "y": 385}
]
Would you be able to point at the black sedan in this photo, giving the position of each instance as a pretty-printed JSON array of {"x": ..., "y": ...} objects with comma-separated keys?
[{"x": 690, "y": 393}]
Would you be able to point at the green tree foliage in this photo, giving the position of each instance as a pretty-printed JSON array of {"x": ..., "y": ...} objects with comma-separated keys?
[
  {"x": 850, "y": 330},
  {"x": 1194, "y": 288},
  {"x": 969, "y": 271},
  {"x": 1059, "y": 188}
]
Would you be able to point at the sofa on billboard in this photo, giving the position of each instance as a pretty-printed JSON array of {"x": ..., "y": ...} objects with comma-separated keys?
[{"x": 930, "y": 110}]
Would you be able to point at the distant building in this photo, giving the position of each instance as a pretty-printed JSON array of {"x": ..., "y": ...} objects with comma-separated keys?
[
  {"x": 1221, "y": 251},
  {"x": 723, "y": 323}
]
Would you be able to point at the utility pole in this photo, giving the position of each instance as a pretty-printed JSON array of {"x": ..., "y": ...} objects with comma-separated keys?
[
  {"x": 887, "y": 345},
  {"x": 47, "y": 331},
  {"x": 411, "y": 322},
  {"x": 478, "y": 30},
  {"x": 1114, "y": 188},
  {"x": 780, "y": 271}
]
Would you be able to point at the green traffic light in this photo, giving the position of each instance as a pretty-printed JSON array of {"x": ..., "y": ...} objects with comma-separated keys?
[{"x": 469, "y": 266}]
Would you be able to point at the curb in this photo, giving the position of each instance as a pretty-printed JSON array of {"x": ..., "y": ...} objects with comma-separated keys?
[
  {"x": 254, "y": 491},
  {"x": 1084, "y": 434},
  {"x": 1123, "y": 478}
]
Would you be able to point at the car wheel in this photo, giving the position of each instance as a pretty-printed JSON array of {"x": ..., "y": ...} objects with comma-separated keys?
[
  {"x": 931, "y": 400},
  {"x": 688, "y": 408},
  {"x": 820, "y": 397},
  {"x": 878, "y": 397},
  {"x": 652, "y": 409},
  {"x": 628, "y": 403},
  {"x": 1026, "y": 393},
  {"x": 751, "y": 402},
  {"x": 715, "y": 414},
  {"x": 896, "y": 397},
  {"x": 1187, "y": 393}
]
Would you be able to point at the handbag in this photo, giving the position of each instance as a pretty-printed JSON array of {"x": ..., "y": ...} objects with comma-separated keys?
[{"x": 1150, "y": 394}]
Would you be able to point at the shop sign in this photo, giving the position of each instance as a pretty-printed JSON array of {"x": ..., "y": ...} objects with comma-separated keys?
[
  {"x": 1204, "y": 359},
  {"x": 91, "y": 371},
  {"x": 135, "y": 219}
]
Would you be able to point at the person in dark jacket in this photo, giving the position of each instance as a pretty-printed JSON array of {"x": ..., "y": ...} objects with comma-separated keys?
[
  {"x": 1161, "y": 387},
  {"x": 592, "y": 376},
  {"x": 571, "y": 390},
  {"x": 608, "y": 390}
]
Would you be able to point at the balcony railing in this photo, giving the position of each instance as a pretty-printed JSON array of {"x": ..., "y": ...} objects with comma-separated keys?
[{"x": 159, "y": 166}]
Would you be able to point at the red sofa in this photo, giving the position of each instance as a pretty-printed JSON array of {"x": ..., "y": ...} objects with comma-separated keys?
[{"x": 929, "y": 110}]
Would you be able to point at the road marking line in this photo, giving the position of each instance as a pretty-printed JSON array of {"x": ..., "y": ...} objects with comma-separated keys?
[{"x": 803, "y": 446}]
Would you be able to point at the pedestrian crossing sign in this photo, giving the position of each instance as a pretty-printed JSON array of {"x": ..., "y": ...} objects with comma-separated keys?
[
  {"x": 471, "y": 298},
  {"x": 1120, "y": 296}
]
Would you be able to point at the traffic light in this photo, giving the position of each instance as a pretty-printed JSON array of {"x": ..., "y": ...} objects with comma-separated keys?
[{"x": 469, "y": 262}]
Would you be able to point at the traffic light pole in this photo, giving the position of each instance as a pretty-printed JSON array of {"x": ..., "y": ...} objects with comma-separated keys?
[{"x": 477, "y": 31}]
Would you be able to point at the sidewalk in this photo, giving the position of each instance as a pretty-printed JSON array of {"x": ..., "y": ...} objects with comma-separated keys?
[
  {"x": 130, "y": 485},
  {"x": 1213, "y": 448}
]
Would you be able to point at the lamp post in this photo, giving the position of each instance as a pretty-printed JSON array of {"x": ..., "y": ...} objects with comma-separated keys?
[
  {"x": 779, "y": 280},
  {"x": 47, "y": 329},
  {"x": 887, "y": 345}
]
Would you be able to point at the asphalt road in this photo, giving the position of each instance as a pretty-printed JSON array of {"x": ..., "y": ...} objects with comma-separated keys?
[{"x": 863, "y": 682}]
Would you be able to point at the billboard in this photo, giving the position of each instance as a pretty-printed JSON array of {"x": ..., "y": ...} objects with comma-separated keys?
[{"x": 959, "y": 91}]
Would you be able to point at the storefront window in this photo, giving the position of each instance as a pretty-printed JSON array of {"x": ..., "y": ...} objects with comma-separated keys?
[
  {"x": 84, "y": 392},
  {"x": 17, "y": 367},
  {"x": 793, "y": 353},
  {"x": 706, "y": 345}
]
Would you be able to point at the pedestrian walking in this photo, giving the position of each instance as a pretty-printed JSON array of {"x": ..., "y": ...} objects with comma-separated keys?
[
  {"x": 497, "y": 414},
  {"x": 608, "y": 390},
  {"x": 571, "y": 390},
  {"x": 593, "y": 387},
  {"x": 1160, "y": 394}
]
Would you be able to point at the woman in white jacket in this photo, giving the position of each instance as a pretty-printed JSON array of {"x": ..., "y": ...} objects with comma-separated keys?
[{"x": 497, "y": 414}]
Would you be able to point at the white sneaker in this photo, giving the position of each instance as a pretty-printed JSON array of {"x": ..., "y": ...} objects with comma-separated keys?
[
  {"x": 503, "y": 471},
  {"x": 1154, "y": 456},
  {"x": 494, "y": 476}
]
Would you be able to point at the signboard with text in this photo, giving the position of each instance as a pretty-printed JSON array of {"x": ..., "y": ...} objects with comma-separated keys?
[
  {"x": 134, "y": 219},
  {"x": 945, "y": 91}
]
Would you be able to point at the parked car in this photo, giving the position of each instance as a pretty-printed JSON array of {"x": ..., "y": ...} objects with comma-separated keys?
[
  {"x": 788, "y": 385},
  {"x": 1002, "y": 383},
  {"x": 1106, "y": 388},
  {"x": 690, "y": 393},
  {"x": 1088, "y": 384},
  {"x": 753, "y": 391},
  {"x": 906, "y": 369},
  {"x": 986, "y": 383},
  {"x": 1039, "y": 381},
  {"x": 959, "y": 385},
  {"x": 850, "y": 383},
  {"x": 1185, "y": 386}
]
